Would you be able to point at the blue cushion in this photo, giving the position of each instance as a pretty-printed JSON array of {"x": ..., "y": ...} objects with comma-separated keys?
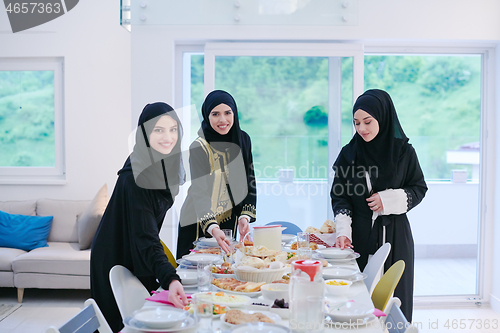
[{"x": 24, "y": 232}]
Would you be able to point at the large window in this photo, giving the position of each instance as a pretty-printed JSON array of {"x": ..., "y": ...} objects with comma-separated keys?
[
  {"x": 438, "y": 100},
  {"x": 31, "y": 120}
]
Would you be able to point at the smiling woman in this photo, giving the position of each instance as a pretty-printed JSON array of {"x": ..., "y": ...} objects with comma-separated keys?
[{"x": 164, "y": 135}]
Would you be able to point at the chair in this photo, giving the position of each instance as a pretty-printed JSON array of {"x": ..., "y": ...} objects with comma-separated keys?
[
  {"x": 395, "y": 321},
  {"x": 129, "y": 292},
  {"x": 375, "y": 265},
  {"x": 385, "y": 287},
  {"x": 170, "y": 257},
  {"x": 291, "y": 228},
  {"x": 88, "y": 320}
]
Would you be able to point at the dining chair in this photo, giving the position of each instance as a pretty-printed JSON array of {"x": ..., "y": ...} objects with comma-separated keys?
[
  {"x": 130, "y": 294},
  {"x": 169, "y": 254},
  {"x": 375, "y": 265},
  {"x": 385, "y": 287},
  {"x": 88, "y": 320},
  {"x": 291, "y": 228},
  {"x": 395, "y": 321}
]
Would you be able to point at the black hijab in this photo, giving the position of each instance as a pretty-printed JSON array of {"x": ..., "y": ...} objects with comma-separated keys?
[
  {"x": 384, "y": 150},
  {"x": 234, "y": 138},
  {"x": 152, "y": 169}
]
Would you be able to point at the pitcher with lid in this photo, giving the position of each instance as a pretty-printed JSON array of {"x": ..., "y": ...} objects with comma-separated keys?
[{"x": 307, "y": 293}]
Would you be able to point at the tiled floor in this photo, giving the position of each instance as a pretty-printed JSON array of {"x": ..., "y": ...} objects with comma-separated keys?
[{"x": 42, "y": 308}]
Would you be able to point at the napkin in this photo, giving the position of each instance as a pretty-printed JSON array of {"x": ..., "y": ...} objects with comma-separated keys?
[
  {"x": 162, "y": 297},
  {"x": 379, "y": 313}
]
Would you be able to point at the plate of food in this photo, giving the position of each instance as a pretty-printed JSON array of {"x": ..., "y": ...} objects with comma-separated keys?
[
  {"x": 223, "y": 271},
  {"x": 236, "y": 287},
  {"x": 218, "y": 309},
  {"x": 237, "y": 317},
  {"x": 223, "y": 298}
]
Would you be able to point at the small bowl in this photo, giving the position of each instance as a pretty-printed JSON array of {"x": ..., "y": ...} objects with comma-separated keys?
[
  {"x": 160, "y": 317},
  {"x": 274, "y": 291},
  {"x": 338, "y": 290},
  {"x": 335, "y": 253},
  {"x": 266, "y": 304}
]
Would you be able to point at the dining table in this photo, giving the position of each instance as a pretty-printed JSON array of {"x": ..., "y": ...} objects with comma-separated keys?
[{"x": 358, "y": 292}]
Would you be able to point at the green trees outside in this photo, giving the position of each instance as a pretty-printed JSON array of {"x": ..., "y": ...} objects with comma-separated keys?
[
  {"x": 27, "y": 118},
  {"x": 282, "y": 102}
]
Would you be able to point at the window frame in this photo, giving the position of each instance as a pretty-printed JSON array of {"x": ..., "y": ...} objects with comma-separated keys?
[
  {"x": 487, "y": 158},
  {"x": 41, "y": 175}
]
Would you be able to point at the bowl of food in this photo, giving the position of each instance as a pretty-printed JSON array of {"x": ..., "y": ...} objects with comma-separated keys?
[
  {"x": 281, "y": 308},
  {"x": 274, "y": 291},
  {"x": 161, "y": 317},
  {"x": 337, "y": 287},
  {"x": 251, "y": 274}
]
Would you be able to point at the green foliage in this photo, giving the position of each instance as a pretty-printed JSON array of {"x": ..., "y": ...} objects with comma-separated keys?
[
  {"x": 282, "y": 102},
  {"x": 27, "y": 118}
]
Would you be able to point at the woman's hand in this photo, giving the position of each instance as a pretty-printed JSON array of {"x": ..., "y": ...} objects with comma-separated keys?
[
  {"x": 221, "y": 239},
  {"x": 176, "y": 294},
  {"x": 375, "y": 203},
  {"x": 343, "y": 242},
  {"x": 243, "y": 227}
]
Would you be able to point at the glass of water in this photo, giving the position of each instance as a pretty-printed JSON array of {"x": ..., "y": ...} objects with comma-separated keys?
[
  {"x": 204, "y": 270},
  {"x": 203, "y": 310}
]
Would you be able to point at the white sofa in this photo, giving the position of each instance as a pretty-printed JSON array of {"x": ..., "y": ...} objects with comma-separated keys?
[{"x": 61, "y": 265}]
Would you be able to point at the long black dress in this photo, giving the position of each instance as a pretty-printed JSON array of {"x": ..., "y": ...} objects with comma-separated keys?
[
  {"x": 223, "y": 180},
  {"x": 349, "y": 193},
  {"x": 128, "y": 234}
]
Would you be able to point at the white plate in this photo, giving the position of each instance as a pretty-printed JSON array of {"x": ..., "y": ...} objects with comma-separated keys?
[
  {"x": 188, "y": 277},
  {"x": 352, "y": 256},
  {"x": 349, "y": 311},
  {"x": 160, "y": 317},
  {"x": 208, "y": 241},
  {"x": 253, "y": 294},
  {"x": 339, "y": 272},
  {"x": 273, "y": 316},
  {"x": 260, "y": 328},
  {"x": 236, "y": 300},
  {"x": 188, "y": 323},
  {"x": 195, "y": 258},
  {"x": 287, "y": 237},
  {"x": 335, "y": 253},
  {"x": 357, "y": 277}
]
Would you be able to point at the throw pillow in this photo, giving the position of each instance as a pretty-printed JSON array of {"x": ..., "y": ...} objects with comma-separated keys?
[
  {"x": 89, "y": 220},
  {"x": 24, "y": 232}
]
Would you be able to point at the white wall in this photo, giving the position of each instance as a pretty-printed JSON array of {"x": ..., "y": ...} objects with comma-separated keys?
[{"x": 96, "y": 52}]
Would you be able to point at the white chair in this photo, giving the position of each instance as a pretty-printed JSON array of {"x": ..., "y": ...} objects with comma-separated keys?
[
  {"x": 88, "y": 320},
  {"x": 374, "y": 266},
  {"x": 395, "y": 321},
  {"x": 129, "y": 292}
]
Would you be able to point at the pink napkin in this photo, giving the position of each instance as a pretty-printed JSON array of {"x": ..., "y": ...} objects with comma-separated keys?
[
  {"x": 162, "y": 297},
  {"x": 379, "y": 313}
]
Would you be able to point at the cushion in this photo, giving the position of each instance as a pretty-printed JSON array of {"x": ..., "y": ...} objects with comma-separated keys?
[
  {"x": 25, "y": 207},
  {"x": 89, "y": 220},
  {"x": 65, "y": 212},
  {"x": 24, "y": 232}
]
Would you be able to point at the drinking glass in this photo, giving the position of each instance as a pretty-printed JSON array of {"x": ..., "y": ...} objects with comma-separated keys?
[
  {"x": 302, "y": 240},
  {"x": 229, "y": 235},
  {"x": 203, "y": 311},
  {"x": 204, "y": 270}
]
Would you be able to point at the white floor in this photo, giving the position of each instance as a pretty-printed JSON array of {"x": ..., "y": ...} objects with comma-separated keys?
[{"x": 42, "y": 308}]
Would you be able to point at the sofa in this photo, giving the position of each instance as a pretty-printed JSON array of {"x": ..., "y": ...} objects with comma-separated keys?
[{"x": 64, "y": 263}]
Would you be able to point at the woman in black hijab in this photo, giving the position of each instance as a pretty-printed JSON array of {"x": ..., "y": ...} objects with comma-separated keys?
[
  {"x": 128, "y": 234},
  {"x": 222, "y": 194},
  {"x": 377, "y": 180}
]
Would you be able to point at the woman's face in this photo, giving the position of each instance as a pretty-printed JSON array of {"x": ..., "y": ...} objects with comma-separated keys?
[
  {"x": 221, "y": 118},
  {"x": 366, "y": 126},
  {"x": 164, "y": 135}
]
